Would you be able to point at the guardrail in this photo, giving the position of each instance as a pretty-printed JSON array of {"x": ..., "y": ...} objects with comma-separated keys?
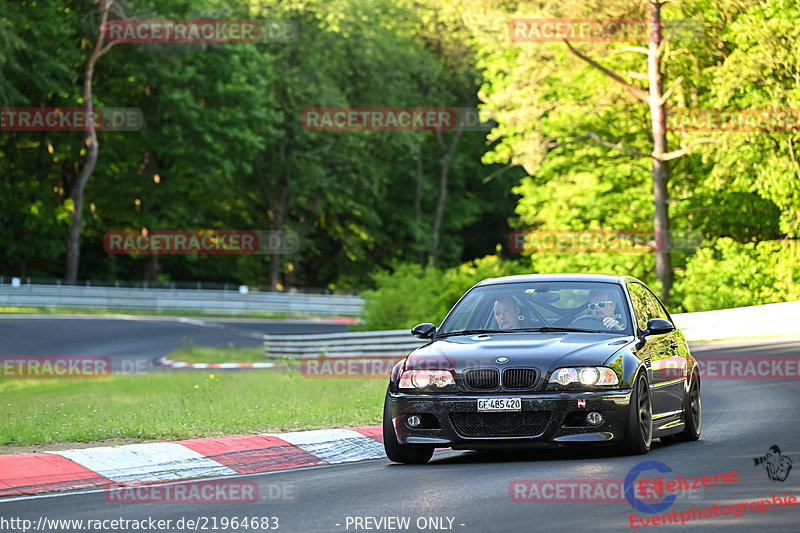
[
  {"x": 761, "y": 320},
  {"x": 391, "y": 343},
  {"x": 17, "y": 281},
  {"x": 178, "y": 299}
]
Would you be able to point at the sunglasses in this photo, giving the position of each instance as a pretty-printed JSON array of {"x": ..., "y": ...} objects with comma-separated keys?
[{"x": 601, "y": 305}]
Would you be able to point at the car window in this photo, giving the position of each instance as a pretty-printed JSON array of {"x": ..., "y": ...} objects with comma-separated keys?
[
  {"x": 550, "y": 313},
  {"x": 656, "y": 306},
  {"x": 639, "y": 301},
  {"x": 520, "y": 305},
  {"x": 645, "y": 305},
  {"x": 463, "y": 313}
]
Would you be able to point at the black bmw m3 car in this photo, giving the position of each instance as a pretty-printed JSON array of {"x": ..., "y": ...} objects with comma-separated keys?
[{"x": 563, "y": 359}]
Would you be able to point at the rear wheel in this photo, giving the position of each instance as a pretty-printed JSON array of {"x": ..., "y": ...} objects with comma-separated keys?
[
  {"x": 692, "y": 415},
  {"x": 639, "y": 429},
  {"x": 401, "y": 453}
]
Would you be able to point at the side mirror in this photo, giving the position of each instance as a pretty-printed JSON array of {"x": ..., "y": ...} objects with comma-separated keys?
[
  {"x": 658, "y": 326},
  {"x": 424, "y": 331}
]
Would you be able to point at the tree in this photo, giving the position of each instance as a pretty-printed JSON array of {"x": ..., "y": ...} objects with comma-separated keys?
[
  {"x": 79, "y": 185},
  {"x": 38, "y": 51},
  {"x": 525, "y": 137},
  {"x": 759, "y": 73}
]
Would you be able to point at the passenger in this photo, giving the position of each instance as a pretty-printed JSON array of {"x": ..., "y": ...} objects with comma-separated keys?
[{"x": 506, "y": 313}]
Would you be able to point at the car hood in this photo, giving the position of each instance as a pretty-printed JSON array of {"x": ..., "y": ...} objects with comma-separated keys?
[{"x": 539, "y": 350}]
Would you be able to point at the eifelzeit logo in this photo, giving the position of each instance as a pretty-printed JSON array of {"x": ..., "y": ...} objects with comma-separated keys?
[{"x": 777, "y": 466}]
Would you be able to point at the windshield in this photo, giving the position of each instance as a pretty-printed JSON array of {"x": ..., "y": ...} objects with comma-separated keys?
[{"x": 542, "y": 306}]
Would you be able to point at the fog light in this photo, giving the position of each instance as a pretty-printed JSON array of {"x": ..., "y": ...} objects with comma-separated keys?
[
  {"x": 414, "y": 421},
  {"x": 594, "y": 418}
]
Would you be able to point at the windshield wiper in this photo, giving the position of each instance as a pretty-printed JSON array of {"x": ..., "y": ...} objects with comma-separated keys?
[
  {"x": 550, "y": 329},
  {"x": 472, "y": 332}
]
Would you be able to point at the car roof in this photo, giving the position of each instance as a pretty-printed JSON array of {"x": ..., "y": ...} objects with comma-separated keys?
[{"x": 606, "y": 278}]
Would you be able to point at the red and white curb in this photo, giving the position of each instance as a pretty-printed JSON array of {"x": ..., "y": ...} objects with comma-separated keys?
[
  {"x": 163, "y": 361},
  {"x": 135, "y": 464}
]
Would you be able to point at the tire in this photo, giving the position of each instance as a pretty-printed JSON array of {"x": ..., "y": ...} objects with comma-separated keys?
[
  {"x": 639, "y": 427},
  {"x": 692, "y": 414},
  {"x": 401, "y": 453}
]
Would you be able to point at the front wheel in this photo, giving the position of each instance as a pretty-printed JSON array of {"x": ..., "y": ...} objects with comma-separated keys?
[
  {"x": 401, "y": 453},
  {"x": 639, "y": 429}
]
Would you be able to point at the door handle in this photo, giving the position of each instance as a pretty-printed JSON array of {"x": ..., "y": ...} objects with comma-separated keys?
[{"x": 673, "y": 345}]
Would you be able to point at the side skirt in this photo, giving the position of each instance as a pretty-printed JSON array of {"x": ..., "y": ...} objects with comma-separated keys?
[{"x": 668, "y": 424}]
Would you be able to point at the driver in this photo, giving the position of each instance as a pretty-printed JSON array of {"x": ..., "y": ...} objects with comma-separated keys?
[
  {"x": 506, "y": 313},
  {"x": 602, "y": 306}
]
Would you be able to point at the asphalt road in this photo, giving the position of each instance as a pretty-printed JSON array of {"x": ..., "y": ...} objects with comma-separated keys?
[
  {"x": 132, "y": 342},
  {"x": 741, "y": 420}
]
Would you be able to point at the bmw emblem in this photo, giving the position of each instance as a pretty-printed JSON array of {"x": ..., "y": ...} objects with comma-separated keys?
[{"x": 501, "y": 360}]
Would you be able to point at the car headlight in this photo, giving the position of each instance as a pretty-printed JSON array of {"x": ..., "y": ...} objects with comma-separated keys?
[
  {"x": 587, "y": 375},
  {"x": 426, "y": 379}
]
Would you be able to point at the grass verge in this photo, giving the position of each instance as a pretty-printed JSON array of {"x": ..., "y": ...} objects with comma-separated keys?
[
  {"x": 199, "y": 354},
  {"x": 181, "y": 405}
]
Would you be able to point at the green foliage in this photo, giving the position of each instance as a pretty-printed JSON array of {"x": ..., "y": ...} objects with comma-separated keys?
[
  {"x": 729, "y": 274},
  {"x": 412, "y": 295},
  {"x": 213, "y": 110},
  {"x": 404, "y": 298},
  {"x": 223, "y": 146},
  {"x": 721, "y": 275},
  {"x": 744, "y": 186},
  {"x": 761, "y": 73}
]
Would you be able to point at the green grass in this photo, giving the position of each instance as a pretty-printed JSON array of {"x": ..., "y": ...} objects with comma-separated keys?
[
  {"x": 197, "y": 354},
  {"x": 182, "y": 405},
  {"x": 147, "y": 312}
]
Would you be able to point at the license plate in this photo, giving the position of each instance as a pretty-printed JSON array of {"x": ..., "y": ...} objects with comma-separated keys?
[{"x": 500, "y": 404}]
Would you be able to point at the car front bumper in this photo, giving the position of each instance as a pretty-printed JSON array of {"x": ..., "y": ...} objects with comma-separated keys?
[{"x": 561, "y": 420}]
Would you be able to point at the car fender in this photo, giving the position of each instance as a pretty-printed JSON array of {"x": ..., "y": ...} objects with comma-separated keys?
[
  {"x": 394, "y": 377},
  {"x": 692, "y": 373},
  {"x": 630, "y": 364}
]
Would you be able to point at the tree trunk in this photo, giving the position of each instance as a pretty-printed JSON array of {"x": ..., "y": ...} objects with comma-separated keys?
[
  {"x": 280, "y": 216},
  {"x": 660, "y": 171},
  {"x": 655, "y": 99},
  {"x": 151, "y": 269},
  {"x": 302, "y": 230},
  {"x": 79, "y": 185},
  {"x": 444, "y": 170},
  {"x": 278, "y": 211},
  {"x": 418, "y": 208}
]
